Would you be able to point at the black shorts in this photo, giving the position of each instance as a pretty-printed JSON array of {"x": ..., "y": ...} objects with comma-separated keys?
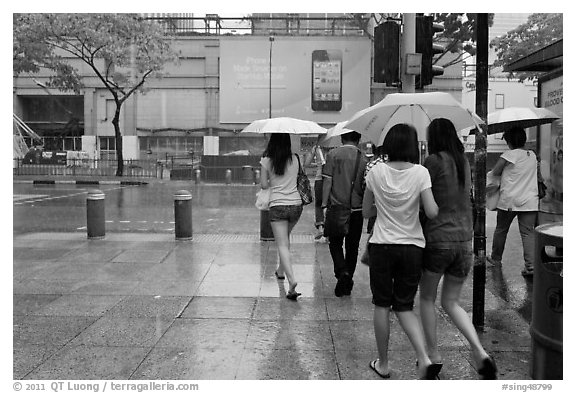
[
  {"x": 452, "y": 258},
  {"x": 395, "y": 272}
]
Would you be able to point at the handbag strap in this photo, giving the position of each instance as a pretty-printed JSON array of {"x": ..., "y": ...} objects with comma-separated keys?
[
  {"x": 300, "y": 170},
  {"x": 355, "y": 176}
]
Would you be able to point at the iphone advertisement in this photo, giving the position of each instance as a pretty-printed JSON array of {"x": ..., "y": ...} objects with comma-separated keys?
[{"x": 325, "y": 79}]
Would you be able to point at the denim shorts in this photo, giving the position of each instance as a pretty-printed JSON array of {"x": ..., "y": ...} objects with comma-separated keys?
[
  {"x": 290, "y": 213},
  {"x": 395, "y": 271},
  {"x": 453, "y": 258}
]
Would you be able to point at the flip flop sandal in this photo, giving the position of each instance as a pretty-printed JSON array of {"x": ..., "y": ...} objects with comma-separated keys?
[{"x": 373, "y": 367}]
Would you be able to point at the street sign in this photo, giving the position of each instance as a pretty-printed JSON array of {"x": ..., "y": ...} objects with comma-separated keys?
[{"x": 413, "y": 63}]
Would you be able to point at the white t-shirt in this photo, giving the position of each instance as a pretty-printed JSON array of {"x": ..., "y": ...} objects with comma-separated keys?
[
  {"x": 283, "y": 191},
  {"x": 519, "y": 181},
  {"x": 397, "y": 197}
]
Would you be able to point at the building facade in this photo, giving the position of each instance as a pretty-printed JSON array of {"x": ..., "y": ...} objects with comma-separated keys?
[{"x": 186, "y": 111}]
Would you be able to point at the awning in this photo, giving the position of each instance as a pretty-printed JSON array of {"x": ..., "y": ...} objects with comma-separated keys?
[{"x": 545, "y": 59}]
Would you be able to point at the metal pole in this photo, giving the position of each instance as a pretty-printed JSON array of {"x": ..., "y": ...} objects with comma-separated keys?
[
  {"x": 266, "y": 233},
  {"x": 95, "y": 216},
  {"x": 408, "y": 46},
  {"x": 479, "y": 278},
  {"x": 183, "y": 215},
  {"x": 271, "y": 38}
]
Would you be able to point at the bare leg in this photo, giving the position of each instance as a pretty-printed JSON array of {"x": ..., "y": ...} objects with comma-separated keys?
[
  {"x": 450, "y": 303},
  {"x": 282, "y": 237},
  {"x": 411, "y": 326},
  {"x": 382, "y": 333},
  {"x": 428, "y": 291}
]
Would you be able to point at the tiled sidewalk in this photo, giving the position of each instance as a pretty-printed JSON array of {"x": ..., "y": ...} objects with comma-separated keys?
[{"x": 145, "y": 306}]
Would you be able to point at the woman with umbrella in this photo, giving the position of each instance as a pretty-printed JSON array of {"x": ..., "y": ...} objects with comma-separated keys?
[
  {"x": 448, "y": 251},
  {"x": 397, "y": 188},
  {"x": 518, "y": 169},
  {"x": 279, "y": 172}
]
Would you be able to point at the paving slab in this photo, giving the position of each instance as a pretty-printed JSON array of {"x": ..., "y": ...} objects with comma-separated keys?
[
  {"x": 91, "y": 362},
  {"x": 190, "y": 364},
  {"x": 123, "y": 332}
]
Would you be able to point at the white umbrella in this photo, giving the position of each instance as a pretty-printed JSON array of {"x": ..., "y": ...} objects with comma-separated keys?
[
  {"x": 418, "y": 109},
  {"x": 286, "y": 125},
  {"x": 330, "y": 138},
  {"x": 524, "y": 117}
]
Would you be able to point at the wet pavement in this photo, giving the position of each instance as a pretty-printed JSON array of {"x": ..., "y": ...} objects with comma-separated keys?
[{"x": 142, "y": 305}]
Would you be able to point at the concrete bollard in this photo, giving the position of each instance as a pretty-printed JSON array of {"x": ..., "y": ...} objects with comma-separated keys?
[
  {"x": 197, "y": 176},
  {"x": 228, "y": 176},
  {"x": 95, "y": 222},
  {"x": 266, "y": 233},
  {"x": 256, "y": 176},
  {"x": 183, "y": 215}
]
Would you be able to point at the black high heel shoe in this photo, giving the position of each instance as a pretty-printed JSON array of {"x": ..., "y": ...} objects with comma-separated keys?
[{"x": 488, "y": 370}]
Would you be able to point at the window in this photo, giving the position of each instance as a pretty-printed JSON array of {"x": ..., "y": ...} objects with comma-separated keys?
[
  {"x": 499, "y": 101},
  {"x": 107, "y": 148}
]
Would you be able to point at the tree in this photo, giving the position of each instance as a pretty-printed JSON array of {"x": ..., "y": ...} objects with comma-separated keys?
[
  {"x": 122, "y": 50},
  {"x": 459, "y": 35},
  {"x": 539, "y": 31}
]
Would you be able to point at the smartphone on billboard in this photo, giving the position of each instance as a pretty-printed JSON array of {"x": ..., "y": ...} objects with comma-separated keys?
[{"x": 327, "y": 80}]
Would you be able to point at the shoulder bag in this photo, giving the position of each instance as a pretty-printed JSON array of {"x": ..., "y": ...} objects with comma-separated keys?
[{"x": 303, "y": 185}]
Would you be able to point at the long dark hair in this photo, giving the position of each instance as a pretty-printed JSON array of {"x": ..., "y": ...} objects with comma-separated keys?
[
  {"x": 279, "y": 150},
  {"x": 401, "y": 144},
  {"x": 442, "y": 136}
]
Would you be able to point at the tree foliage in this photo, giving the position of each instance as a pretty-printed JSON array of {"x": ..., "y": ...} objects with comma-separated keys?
[
  {"x": 539, "y": 31},
  {"x": 122, "y": 50},
  {"x": 459, "y": 35}
]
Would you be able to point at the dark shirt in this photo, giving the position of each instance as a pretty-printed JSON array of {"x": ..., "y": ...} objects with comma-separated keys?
[
  {"x": 454, "y": 220},
  {"x": 339, "y": 166}
]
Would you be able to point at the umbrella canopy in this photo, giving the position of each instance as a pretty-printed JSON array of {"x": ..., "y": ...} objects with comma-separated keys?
[
  {"x": 330, "y": 139},
  {"x": 501, "y": 120},
  {"x": 286, "y": 125},
  {"x": 418, "y": 109}
]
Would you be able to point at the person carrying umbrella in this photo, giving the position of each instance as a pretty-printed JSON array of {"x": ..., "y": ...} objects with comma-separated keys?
[
  {"x": 397, "y": 189},
  {"x": 279, "y": 172},
  {"x": 448, "y": 252},
  {"x": 342, "y": 196},
  {"x": 518, "y": 170}
]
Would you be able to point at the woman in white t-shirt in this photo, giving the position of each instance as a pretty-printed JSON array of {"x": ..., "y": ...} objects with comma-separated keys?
[
  {"x": 398, "y": 188},
  {"x": 279, "y": 173},
  {"x": 517, "y": 168}
]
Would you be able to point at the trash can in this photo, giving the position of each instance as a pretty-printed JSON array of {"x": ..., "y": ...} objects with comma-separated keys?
[
  {"x": 547, "y": 303},
  {"x": 247, "y": 175}
]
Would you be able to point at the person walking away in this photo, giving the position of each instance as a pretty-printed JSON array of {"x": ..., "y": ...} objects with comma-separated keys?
[
  {"x": 517, "y": 168},
  {"x": 316, "y": 156},
  {"x": 342, "y": 187},
  {"x": 376, "y": 158},
  {"x": 279, "y": 172},
  {"x": 397, "y": 188},
  {"x": 448, "y": 251}
]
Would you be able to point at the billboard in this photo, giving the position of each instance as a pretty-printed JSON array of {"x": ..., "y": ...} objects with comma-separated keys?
[{"x": 323, "y": 79}]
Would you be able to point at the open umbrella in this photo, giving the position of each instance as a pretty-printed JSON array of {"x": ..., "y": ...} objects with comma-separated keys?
[
  {"x": 331, "y": 138},
  {"x": 418, "y": 109},
  {"x": 524, "y": 117},
  {"x": 286, "y": 125}
]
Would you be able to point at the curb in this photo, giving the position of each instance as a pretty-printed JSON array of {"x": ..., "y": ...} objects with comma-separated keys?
[{"x": 84, "y": 182}]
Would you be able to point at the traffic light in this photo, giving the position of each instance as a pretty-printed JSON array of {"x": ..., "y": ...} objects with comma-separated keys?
[
  {"x": 425, "y": 30},
  {"x": 387, "y": 53}
]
